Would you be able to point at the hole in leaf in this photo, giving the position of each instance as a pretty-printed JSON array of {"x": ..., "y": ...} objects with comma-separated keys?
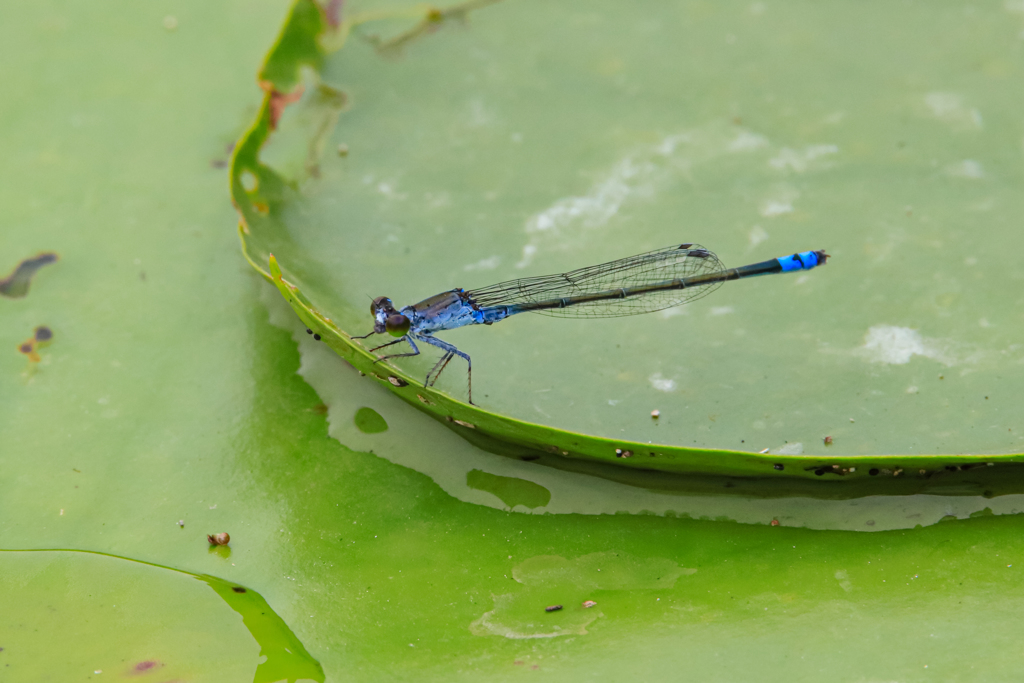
[
  {"x": 369, "y": 421},
  {"x": 249, "y": 181}
]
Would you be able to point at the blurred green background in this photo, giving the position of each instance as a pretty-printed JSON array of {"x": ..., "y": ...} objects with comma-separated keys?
[{"x": 179, "y": 386}]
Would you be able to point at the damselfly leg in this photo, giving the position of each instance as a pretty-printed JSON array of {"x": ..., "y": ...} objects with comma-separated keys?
[
  {"x": 449, "y": 350},
  {"x": 438, "y": 368},
  {"x": 415, "y": 349}
]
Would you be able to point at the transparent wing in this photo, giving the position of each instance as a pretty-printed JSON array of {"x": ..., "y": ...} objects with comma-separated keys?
[{"x": 675, "y": 262}]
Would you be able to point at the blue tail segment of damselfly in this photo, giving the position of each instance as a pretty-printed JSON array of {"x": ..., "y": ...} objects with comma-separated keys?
[{"x": 644, "y": 283}]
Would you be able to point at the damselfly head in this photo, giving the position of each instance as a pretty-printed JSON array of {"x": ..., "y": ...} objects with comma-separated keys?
[
  {"x": 397, "y": 325},
  {"x": 381, "y": 308},
  {"x": 381, "y": 303}
]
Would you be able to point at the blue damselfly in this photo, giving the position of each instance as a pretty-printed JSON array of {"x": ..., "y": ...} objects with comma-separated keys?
[{"x": 637, "y": 284}]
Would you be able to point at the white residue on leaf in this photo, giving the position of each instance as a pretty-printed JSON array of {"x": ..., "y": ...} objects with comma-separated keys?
[
  {"x": 600, "y": 204},
  {"x": 592, "y": 210},
  {"x": 789, "y": 449},
  {"x": 484, "y": 264},
  {"x": 437, "y": 200},
  {"x": 638, "y": 175},
  {"x": 747, "y": 141},
  {"x": 757, "y": 235},
  {"x": 674, "y": 311},
  {"x": 662, "y": 384},
  {"x": 801, "y": 160},
  {"x": 968, "y": 168},
  {"x": 477, "y": 115},
  {"x": 775, "y": 208},
  {"x": 894, "y": 345},
  {"x": 834, "y": 118},
  {"x": 950, "y": 108},
  {"x": 387, "y": 188},
  {"x": 780, "y": 202}
]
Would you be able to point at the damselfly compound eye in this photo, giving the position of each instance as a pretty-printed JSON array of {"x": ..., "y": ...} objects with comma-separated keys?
[{"x": 396, "y": 325}]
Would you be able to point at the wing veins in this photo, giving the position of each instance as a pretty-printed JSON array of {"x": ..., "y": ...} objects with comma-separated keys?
[{"x": 643, "y": 269}]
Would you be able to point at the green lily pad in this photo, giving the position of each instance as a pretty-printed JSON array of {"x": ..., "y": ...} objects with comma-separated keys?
[
  {"x": 891, "y": 348},
  {"x": 143, "y": 620},
  {"x": 178, "y": 386}
]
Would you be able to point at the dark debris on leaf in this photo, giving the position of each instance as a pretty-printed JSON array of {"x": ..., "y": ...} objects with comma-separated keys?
[{"x": 15, "y": 285}]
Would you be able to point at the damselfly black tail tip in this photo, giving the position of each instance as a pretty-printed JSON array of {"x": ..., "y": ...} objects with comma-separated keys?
[{"x": 822, "y": 257}]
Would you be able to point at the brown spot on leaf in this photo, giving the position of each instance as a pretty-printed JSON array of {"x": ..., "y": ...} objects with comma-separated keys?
[
  {"x": 29, "y": 349},
  {"x": 238, "y": 589},
  {"x": 280, "y": 100},
  {"x": 15, "y": 285},
  {"x": 332, "y": 13},
  {"x": 147, "y": 665}
]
